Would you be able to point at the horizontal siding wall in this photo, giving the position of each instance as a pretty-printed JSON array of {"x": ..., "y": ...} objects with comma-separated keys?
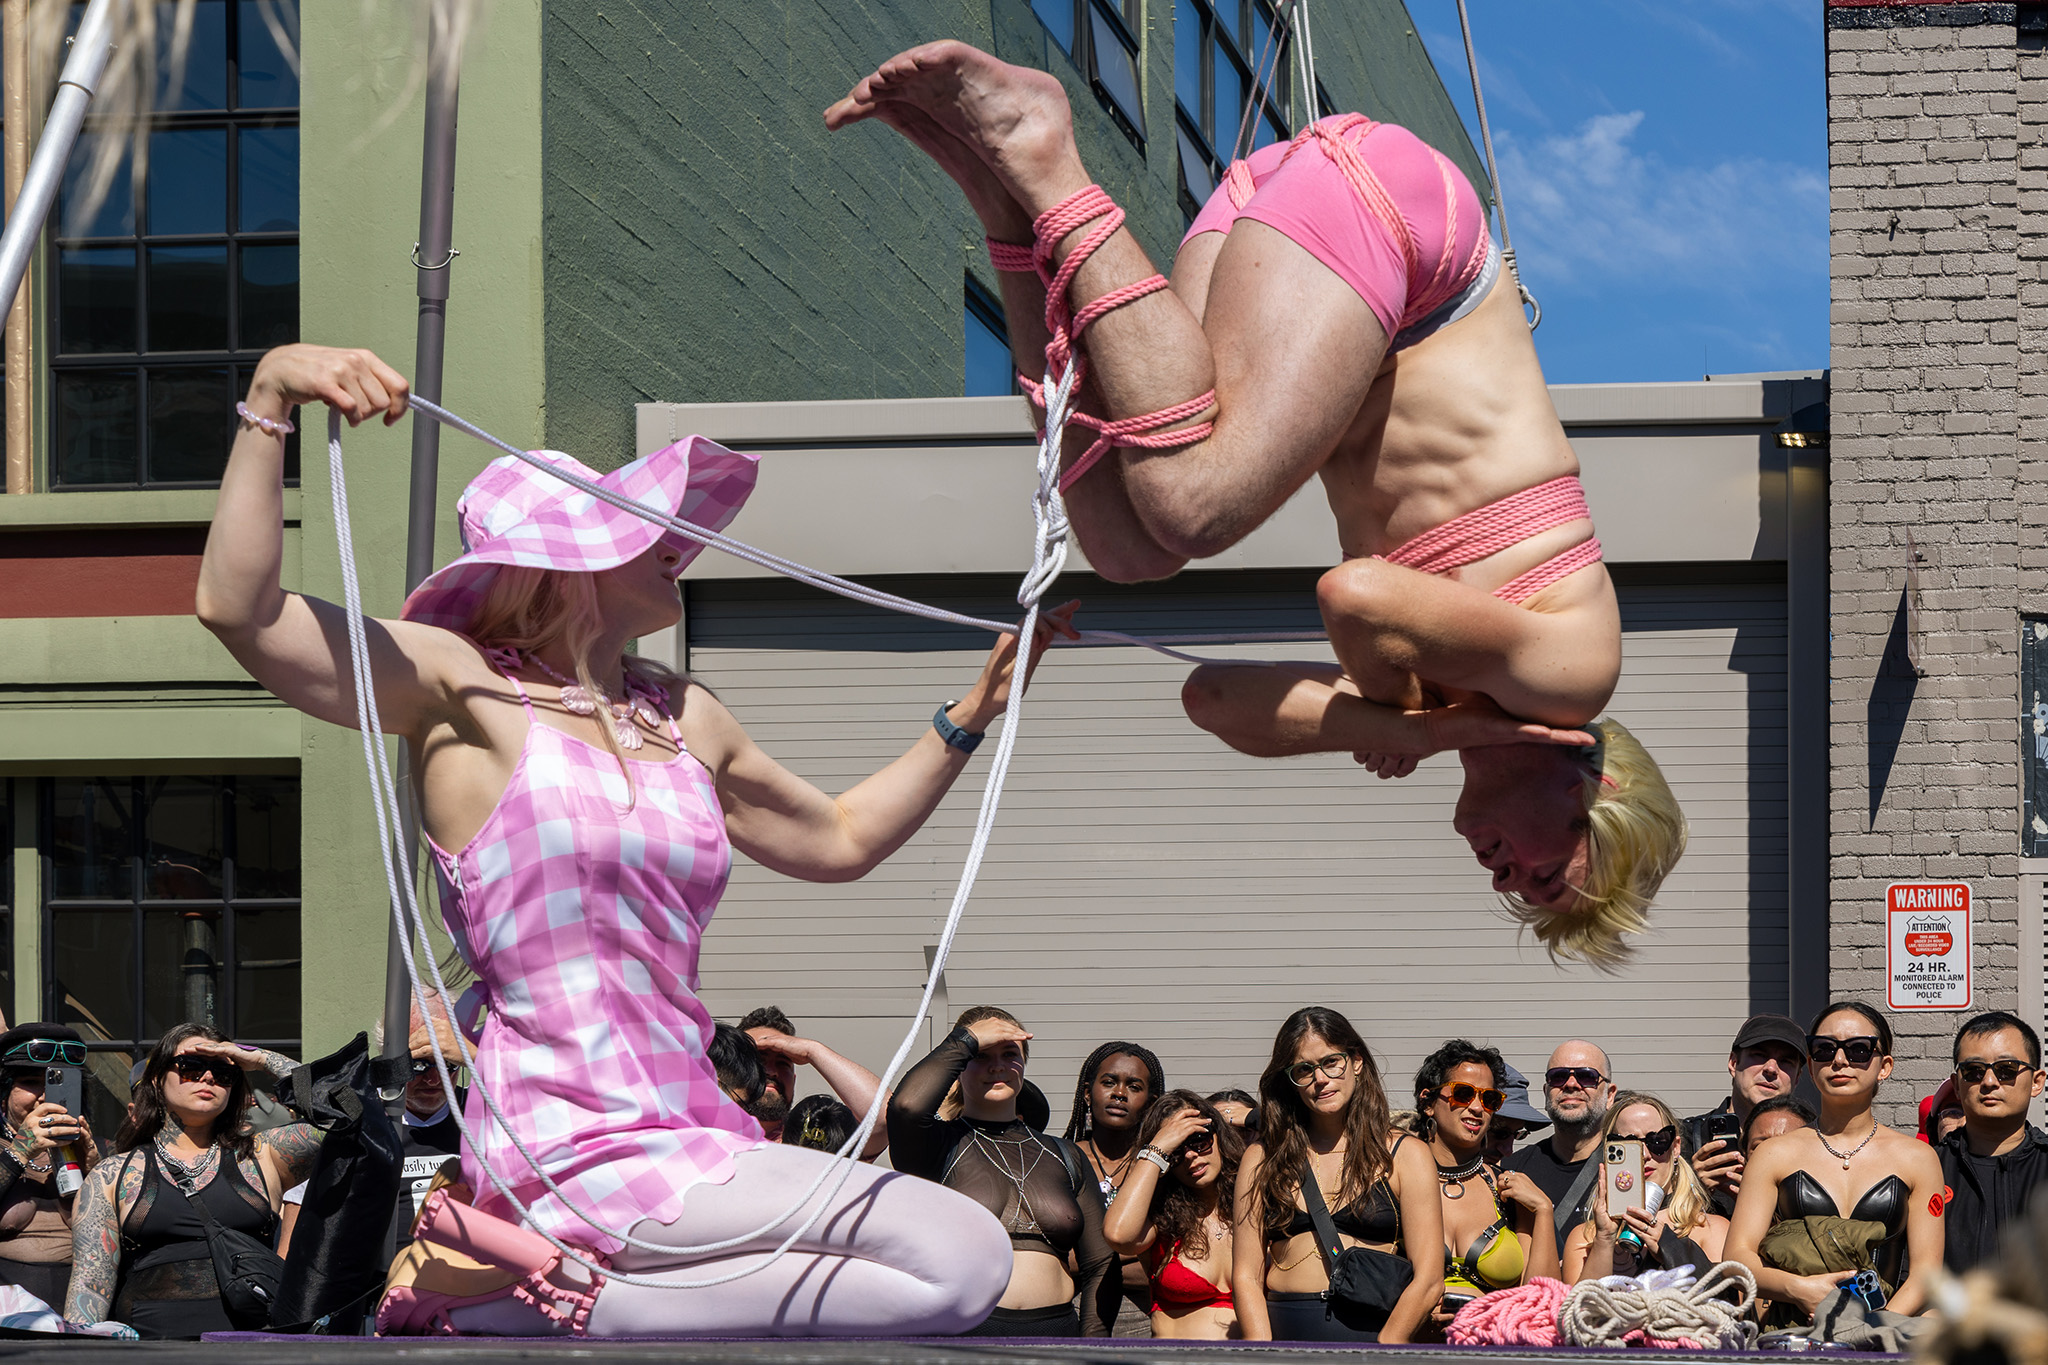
[{"x": 1145, "y": 882}]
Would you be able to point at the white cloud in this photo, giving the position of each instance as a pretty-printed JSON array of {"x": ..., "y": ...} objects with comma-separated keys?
[{"x": 1592, "y": 206}]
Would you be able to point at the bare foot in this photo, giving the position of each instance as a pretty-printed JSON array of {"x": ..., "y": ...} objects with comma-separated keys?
[
  {"x": 1015, "y": 120},
  {"x": 1002, "y": 217}
]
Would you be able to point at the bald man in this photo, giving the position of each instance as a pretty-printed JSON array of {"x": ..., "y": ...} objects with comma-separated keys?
[{"x": 1578, "y": 1086}]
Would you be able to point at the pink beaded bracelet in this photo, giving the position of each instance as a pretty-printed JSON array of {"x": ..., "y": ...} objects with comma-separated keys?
[{"x": 269, "y": 426}]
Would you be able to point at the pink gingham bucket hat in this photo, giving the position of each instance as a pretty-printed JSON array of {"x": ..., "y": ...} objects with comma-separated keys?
[{"x": 513, "y": 513}]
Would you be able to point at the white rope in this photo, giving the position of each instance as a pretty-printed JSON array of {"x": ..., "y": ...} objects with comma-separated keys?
[
  {"x": 1666, "y": 1305},
  {"x": 1507, "y": 242},
  {"x": 1049, "y": 552}
]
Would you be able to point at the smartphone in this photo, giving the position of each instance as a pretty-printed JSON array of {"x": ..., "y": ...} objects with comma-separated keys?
[
  {"x": 1451, "y": 1303},
  {"x": 1723, "y": 1128},
  {"x": 1624, "y": 1158},
  {"x": 65, "y": 1085},
  {"x": 1866, "y": 1286}
]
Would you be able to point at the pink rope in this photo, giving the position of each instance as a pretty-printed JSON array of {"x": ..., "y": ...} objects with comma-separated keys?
[
  {"x": 1523, "y": 1316},
  {"x": 1091, "y": 205},
  {"x": 1500, "y": 525},
  {"x": 1553, "y": 570}
]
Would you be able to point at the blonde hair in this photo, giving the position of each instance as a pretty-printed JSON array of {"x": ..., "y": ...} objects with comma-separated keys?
[
  {"x": 1686, "y": 1200},
  {"x": 1635, "y": 835},
  {"x": 529, "y": 610}
]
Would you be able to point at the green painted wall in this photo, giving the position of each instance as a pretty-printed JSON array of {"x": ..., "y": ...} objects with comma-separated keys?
[
  {"x": 359, "y": 200},
  {"x": 707, "y": 241}
]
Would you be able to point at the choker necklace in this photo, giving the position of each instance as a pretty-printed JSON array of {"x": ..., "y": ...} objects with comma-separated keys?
[
  {"x": 1843, "y": 1157},
  {"x": 577, "y": 701},
  {"x": 1453, "y": 1178}
]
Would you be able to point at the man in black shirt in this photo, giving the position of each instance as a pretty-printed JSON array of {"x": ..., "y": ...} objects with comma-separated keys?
[
  {"x": 1578, "y": 1086},
  {"x": 1994, "y": 1162},
  {"x": 1767, "y": 1059}
]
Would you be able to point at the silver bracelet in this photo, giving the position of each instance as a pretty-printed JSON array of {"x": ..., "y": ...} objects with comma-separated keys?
[{"x": 1157, "y": 1158}]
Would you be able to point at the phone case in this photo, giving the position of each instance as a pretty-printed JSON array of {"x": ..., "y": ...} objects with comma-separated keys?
[{"x": 1624, "y": 1158}]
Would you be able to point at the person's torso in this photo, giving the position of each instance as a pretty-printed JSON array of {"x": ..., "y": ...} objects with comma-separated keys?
[
  {"x": 1023, "y": 1178},
  {"x": 35, "y": 1223},
  {"x": 171, "y": 1229},
  {"x": 425, "y": 1149},
  {"x": 1481, "y": 1251}
]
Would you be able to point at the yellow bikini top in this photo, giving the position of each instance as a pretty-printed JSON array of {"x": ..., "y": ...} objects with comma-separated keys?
[{"x": 1493, "y": 1261}]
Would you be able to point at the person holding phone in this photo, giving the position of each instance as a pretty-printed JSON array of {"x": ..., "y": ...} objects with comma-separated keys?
[
  {"x": 1847, "y": 1166},
  {"x": 41, "y": 1131},
  {"x": 1496, "y": 1227},
  {"x": 1650, "y": 1209},
  {"x": 1172, "y": 1216},
  {"x": 1765, "y": 1061}
]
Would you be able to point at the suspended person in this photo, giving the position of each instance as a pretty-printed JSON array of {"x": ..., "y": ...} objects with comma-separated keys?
[
  {"x": 1846, "y": 1167},
  {"x": 1118, "y": 1083},
  {"x": 1173, "y": 1216},
  {"x": 1497, "y": 1228},
  {"x": 1323, "y": 1132},
  {"x": 954, "y": 1119},
  {"x": 35, "y": 1211},
  {"x": 582, "y": 808},
  {"x": 1336, "y": 309},
  {"x": 1682, "y": 1230},
  {"x": 185, "y": 1159}
]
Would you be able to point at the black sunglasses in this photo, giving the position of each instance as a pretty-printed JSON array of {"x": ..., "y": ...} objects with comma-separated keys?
[
  {"x": 1859, "y": 1051},
  {"x": 1973, "y": 1071},
  {"x": 44, "y": 1051},
  {"x": 1586, "y": 1076},
  {"x": 193, "y": 1067},
  {"x": 1198, "y": 1144},
  {"x": 1660, "y": 1142}
]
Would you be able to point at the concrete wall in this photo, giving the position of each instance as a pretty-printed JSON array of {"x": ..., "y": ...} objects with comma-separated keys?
[
  {"x": 1930, "y": 393},
  {"x": 707, "y": 241}
]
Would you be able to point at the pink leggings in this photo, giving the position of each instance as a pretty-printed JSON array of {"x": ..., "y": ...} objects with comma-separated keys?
[
  {"x": 1379, "y": 206},
  {"x": 893, "y": 1256}
]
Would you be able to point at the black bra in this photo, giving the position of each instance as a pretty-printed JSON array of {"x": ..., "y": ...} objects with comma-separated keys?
[{"x": 1801, "y": 1196}]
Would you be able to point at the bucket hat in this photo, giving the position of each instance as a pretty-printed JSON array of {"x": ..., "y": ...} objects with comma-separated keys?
[
  {"x": 513, "y": 513},
  {"x": 1517, "y": 1106}
]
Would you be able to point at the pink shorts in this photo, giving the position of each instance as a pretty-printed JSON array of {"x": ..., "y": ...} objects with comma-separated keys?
[{"x": 1402, "y": 226}]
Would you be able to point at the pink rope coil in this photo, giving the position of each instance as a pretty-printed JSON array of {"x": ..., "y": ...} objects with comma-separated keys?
[
  {"x": 1501, "y": 525},
  {"x": 1523, "y": 1316}
]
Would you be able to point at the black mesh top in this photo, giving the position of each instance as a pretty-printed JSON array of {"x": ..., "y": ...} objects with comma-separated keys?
[{"x": 1039, "y": 1186}]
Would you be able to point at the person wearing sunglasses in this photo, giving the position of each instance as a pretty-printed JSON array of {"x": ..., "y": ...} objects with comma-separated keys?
[
  {"x": 1578, "y": 1087},
  {"x": 1172, "y": 1215},
  {"x": 1323, "y": 1113},
  {"x": 1997, "y": 1160},
  {"x": 1847, "y": 1166},
  {"x": 35, "y": 1218},
  {"x": 1496, "y": 1228},
  {"x": 140, "y": 1245},
  {"x": 1682, "y": 1229}
]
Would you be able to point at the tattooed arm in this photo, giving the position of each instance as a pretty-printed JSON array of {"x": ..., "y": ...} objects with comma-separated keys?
[
  {"x": 289, "y": 1151},
  {"x": 96, "y": 1239}
]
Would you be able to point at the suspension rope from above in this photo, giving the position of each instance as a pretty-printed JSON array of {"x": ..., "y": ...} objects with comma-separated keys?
[{"x": 1507, "y": 242}]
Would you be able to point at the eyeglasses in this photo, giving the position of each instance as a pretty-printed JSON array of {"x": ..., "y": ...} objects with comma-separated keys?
[
  {"x": 1660, "y": 1142},
  {"x": 1333, "y": 1066},
  {"x": 1586, "y": 1076},
  {"x": 1973, "y": 1071},
  {"x": 1857, "y": 1051},
  {"x": 193, "y": 1067},
  {"x": 1198, "y": 1144},
  {"x": 1513, "y": 1132},
  {"x": 47, "y": 1050},
  {"x": 1464, "y": 1092}
]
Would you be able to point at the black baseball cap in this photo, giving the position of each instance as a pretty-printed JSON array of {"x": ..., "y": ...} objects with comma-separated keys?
[
  {"x": 1759, "y": 1029},
  {"x": 28, "y": 1033}
]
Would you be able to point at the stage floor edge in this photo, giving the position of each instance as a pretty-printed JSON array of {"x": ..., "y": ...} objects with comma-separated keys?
[{"x": 256, "y": 1348}]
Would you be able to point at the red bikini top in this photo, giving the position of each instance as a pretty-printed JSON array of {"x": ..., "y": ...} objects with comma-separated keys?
[{"x": 1174, "y": 1282}]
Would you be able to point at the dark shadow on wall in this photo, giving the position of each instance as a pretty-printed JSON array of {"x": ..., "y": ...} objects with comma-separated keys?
[{"x": 1891, "y": 701}]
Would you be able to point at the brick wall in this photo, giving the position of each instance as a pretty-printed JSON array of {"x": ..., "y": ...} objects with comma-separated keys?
[{"x": 1930, "y": 389}]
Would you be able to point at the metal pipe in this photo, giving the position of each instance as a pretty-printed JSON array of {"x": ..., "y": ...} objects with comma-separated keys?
[
  {"x": 433, "y": 254},
  {"x": 75, "y": 88},
  {"x": 14, "y": 61}
]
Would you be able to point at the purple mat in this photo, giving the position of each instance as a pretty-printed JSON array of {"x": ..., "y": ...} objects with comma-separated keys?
[{"x": 1036, "y": 1343}]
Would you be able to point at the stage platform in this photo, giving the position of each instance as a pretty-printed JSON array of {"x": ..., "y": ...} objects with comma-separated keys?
[{"x": 256, "y": 1349}]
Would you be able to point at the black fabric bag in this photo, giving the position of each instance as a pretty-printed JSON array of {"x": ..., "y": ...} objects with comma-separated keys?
[
  {"x": 1364, "y": 1284},
  {"x": 338, "y": 1258},
  {"x": 246, "y": 1268}
]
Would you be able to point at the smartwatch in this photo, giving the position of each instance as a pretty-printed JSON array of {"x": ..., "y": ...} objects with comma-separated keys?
[{"x": 955, "y": 737}]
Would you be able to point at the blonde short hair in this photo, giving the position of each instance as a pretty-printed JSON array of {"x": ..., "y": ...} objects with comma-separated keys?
[{"x": 1635, "y": 835}]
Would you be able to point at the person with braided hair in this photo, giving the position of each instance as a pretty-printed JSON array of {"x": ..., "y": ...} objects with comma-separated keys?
[{"x": 1118, "y": 1083}]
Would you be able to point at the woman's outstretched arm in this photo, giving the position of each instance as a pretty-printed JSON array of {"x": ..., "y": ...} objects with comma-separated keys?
[{"x": 297, "y": 646}]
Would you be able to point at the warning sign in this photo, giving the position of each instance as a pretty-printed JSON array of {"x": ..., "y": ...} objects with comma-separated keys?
[{"x": 1927, "y": 945}]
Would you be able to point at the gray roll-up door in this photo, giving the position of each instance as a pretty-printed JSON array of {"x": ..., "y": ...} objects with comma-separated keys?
[{"x": 1147, "y": 883}]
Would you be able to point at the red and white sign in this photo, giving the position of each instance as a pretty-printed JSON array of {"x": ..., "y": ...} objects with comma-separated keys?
[{"x": 1927, "y": 945}]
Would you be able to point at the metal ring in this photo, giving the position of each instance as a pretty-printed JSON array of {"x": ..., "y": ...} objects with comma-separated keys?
[{"x": 452, "y": 254}]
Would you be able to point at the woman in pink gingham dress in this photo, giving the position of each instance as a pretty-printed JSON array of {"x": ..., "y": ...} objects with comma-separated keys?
[{"x": 583, "y": 809}]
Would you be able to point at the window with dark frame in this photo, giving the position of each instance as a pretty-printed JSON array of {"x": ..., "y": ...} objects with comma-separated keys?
[
  {"x": 988, "y": 368},
  {"x": 168, "y": 900},
  {"x": 1230, "y": 81},
  {"x": 1102, "y": 38},
  {"x": 166, "y": 296}
]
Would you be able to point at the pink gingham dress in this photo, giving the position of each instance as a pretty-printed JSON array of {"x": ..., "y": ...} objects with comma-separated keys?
[{"x": 582, "y": 921}]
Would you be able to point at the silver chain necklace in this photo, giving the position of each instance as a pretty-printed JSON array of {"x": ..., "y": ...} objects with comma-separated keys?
[
  {"x": 992, "y": 1148},
  {"x": 1843, "y": 1157},
  {"x": 186, "y": 1176}
]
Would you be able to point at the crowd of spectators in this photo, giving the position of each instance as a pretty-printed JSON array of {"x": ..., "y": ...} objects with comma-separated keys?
[{"x": 1160, "y": 1211}]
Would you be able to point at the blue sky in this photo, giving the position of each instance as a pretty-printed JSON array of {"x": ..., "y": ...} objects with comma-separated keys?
[{"x": 1664, "y": 166}]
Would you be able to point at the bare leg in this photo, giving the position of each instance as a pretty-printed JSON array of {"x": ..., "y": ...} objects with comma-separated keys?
[
  {"x": 893, "y": 1255},
  {"x": 1275, "y": 315}
]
